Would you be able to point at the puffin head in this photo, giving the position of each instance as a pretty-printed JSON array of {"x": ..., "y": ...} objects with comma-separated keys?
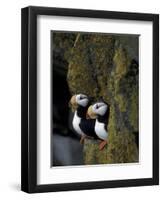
[
  {"x": 97, "y": 109},
  {"x": 79, "y": 100}
]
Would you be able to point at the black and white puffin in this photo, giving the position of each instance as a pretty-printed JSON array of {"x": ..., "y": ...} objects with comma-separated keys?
[
  {"x": 83, "y": 126},
  {"x": 100, "y": 111}
]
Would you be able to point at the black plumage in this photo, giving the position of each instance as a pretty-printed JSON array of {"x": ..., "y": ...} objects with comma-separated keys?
[{"x": 86, "y": 125}]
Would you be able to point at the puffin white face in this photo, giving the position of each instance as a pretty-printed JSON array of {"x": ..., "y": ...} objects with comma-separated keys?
[
  {"x": 100, "y": 108},
  {"x": 82, "y": 100}
]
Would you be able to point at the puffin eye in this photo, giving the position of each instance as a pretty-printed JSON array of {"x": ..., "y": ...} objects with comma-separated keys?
[
  {"x": 82, "y": 97},
  {"x": 97, "y": 106}
]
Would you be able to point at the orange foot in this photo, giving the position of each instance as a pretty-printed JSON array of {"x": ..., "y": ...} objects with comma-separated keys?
[
  {"x": 82, "y": 139},
  {"x": 102, "y": 144}
]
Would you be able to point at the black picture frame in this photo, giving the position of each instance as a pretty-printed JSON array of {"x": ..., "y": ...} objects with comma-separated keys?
[{"x": 29, "y": 99}]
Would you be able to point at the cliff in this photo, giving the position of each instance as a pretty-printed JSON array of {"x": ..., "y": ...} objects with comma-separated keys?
[{"x": 107, "y": 66}]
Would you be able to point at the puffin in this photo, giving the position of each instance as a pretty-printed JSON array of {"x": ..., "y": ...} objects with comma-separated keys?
[
  {"x": 82, "y": 125},
  {"x": 100, "y": 111}
]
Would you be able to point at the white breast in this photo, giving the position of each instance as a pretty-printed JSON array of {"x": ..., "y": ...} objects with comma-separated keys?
[
  {"x": 100, "y": 130},
  {"x": 75, "y": 123}
]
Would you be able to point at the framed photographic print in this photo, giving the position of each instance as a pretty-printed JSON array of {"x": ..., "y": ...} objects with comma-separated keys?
[{"x": 90, "y": 99}]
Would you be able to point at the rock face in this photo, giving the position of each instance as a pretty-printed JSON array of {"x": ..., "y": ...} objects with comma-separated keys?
[
  {"x": 61, "y": 46},
  {"x": 107, "y": 66}
]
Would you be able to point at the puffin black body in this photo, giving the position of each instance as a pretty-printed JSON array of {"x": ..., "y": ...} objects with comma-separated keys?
[
  {"x": 80, "y": 123},
  {"x": 86, "y": 125}
]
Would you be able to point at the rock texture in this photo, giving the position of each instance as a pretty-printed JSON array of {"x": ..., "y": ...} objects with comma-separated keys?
[
  {"x": 106, "y": 66},
  {"x": 102, "y": 65}
]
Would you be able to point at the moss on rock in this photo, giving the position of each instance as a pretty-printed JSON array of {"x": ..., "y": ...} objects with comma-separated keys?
[
  {"x": 79, "y": 74},
  {"x": 105, "y": 65}
]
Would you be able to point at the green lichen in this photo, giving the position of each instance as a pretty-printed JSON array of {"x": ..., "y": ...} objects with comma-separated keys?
[
  {"x": 133, "y": 112},
  {"x": 121, "y": 145},
  {"x": 102, "y": 65},
  {"x": 121, "y": 101},
  {"x": 92, "y": 155},
  {"x": 79, "y": 74},
  {"x": 122, "y": 148}
]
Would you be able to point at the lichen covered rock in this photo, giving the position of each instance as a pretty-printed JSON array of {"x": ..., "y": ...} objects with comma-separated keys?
[{"x": 107, "y": 66}]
